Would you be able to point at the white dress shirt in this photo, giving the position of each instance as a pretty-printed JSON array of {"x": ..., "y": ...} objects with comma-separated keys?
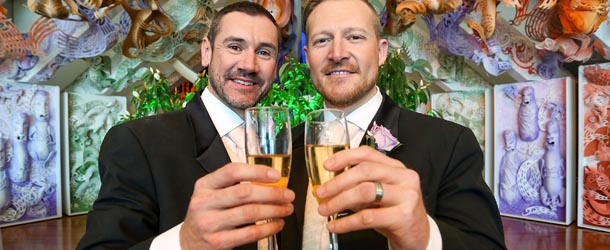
[
  {"x": 361, "y": 118},
  {"x": 225, "y": 120}
]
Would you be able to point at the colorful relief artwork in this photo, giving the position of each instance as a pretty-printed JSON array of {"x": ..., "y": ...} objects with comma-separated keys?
[
  {"x": 466, "y": 108},
  {"x": 29, "y": 158},
  {"x": 594, "y": 165},
  {"x": 530, "y": 132},
  {"x": 88, "y": 119}
]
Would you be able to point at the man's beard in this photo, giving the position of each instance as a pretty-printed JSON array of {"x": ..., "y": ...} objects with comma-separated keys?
[
  {"x": 345, "y": 99},
  {"x": 224, "y": 97}
]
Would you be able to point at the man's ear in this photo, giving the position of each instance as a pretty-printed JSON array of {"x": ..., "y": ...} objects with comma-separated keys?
[
  {"x": 206, "y": 52},
  {"x": 383, "y": 50},
  {"x": 306, "y": 57}
]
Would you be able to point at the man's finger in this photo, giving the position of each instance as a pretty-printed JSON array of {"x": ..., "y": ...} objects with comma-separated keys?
[
  {"x": 240, "y": 236},
  {"x": 351, "y": 157},
  {"x": 244, "y": 193},
  {"x": 233, "y": 173}
]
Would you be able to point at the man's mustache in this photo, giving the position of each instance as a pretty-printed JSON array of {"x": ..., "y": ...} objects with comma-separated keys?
[
  {"x": 243, "y": 74},
  {"x": 347, "y": 66}
]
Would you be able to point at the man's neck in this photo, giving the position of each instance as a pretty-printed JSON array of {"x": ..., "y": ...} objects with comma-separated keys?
[
  {"x": 348, "y": 109},
  {"x": 240, "y": 112}
]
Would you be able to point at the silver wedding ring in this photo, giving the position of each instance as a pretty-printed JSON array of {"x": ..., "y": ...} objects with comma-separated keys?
[{"x": 378, "y": 192}]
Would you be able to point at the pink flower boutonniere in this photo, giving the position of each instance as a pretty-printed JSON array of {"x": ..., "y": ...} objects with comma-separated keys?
[{"x": 381, "y": 139}]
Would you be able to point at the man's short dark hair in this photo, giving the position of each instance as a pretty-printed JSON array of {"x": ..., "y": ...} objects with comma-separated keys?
[
  {"x": 245, "y": 7},
  {"x": 314, "y": 3}
]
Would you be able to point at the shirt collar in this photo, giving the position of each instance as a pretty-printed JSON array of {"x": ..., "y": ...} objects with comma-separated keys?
[
  {"x": 223, "y": 118},
  {"x": 363, "y": 115}
]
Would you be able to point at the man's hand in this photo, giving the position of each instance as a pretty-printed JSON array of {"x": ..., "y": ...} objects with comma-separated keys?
[
  {"x": 400, "y": 215},
  {"x": 223, "y": 210}
]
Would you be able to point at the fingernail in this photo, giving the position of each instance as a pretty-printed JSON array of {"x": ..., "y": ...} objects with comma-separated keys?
[
  {"x": 322, "y": 208},
  {"x": 289, "y": 209},
  {"x": 273, "y": 174},
  {"x": 331, "y": 226},
  {"x": 321, "y": 191},
  {"x": 329, "y": 162},
  {"x": 289, "y": 195}
]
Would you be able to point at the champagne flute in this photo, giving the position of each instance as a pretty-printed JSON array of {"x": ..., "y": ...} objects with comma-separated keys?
[
  {"x": 269, "y": 142},
  {"x": 325, "y": 134}
]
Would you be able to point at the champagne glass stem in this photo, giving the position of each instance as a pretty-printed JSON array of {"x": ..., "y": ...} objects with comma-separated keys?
[
  {"x": 271, "y": 242},
  {"x": 334, "y": 242}
]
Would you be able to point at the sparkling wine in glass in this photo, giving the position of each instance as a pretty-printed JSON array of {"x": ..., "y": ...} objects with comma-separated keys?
[
  {"x": 325, "y": 134},
  {"x": 269, "y": 142}
]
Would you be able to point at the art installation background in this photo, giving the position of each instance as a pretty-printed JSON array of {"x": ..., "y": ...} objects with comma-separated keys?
[
  {"x": 86, "y": 120},
  {"x": 594, "y": 156},
  {"x": 30, "y": 180},
  {"x": 437, "y": 44},
  {"x": 533, "y": 150},
  {"x": 470, "y": 109}
]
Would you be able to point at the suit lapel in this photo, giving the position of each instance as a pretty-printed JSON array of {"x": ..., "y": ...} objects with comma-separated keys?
[
  {"x": 210, "y": 151},
  {"x": 387, "y": 116},
  {"x": 209, "y": 148},
  {"x": 291, "y": 235}
]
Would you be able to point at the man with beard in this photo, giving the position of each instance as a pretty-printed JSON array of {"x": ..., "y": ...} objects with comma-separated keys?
[
  {"x": 173, "y": 181},
  {"x": 427, "y": 193}
]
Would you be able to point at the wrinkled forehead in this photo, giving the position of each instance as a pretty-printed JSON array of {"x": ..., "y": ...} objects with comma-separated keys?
[
  {"x": 252, "y": 28},
  {"x": 354, "y": 13}
]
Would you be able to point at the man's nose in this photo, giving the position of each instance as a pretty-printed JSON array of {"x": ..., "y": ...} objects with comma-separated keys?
[
  {"x": 249, "y": 62},
  {"x": 338, "y": 52}
]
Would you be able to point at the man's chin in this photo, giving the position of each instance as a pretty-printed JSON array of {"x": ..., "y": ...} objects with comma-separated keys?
[
  {"x": 339, "y": 102},
  {"x": 243, "y": 103}
]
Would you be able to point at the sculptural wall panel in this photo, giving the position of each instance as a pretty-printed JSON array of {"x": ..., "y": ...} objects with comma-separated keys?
[
  {"x": 594, "y": 152},
  {"x": 534, "y": 150},
  {"x": 30, "y": 167},
  {"x": 86, "y": 119},
  {"x": 470, "y": 109}
]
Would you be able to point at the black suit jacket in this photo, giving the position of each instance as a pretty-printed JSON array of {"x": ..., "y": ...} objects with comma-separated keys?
[
  {"x": 449, "y": 162},
  {"x": 148, "y": 169}
]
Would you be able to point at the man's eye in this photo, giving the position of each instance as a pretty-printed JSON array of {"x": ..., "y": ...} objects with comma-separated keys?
[
  {"x": 234, "y": 47},
  {"x": 355, "y": 38},
  {"x": 263, "y": 53},
  {"x": 320, "y": 41}
]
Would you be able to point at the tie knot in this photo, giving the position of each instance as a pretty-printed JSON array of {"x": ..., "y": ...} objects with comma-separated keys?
[
  {"x": 238, "y": 136},
  {"x": 236, "y": 144},
  {"x": 354, "y": 133}
]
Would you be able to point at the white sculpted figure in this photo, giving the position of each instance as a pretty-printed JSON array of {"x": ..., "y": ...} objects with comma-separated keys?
[{"x": 41, "y": 137}]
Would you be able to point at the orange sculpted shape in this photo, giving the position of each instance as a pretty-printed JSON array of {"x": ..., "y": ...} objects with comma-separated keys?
[
  {"x": 597, "y": 75},
  {"x": 581, "y": 16},
  {"x": 402, "y": 13},
  {"x": 281, "y": 10},
  {"x": 596, "y": 180},
  {"x": 13, "y": 45},
  {"x": 486, "y": 28},
  {"x": 147, "y": 26},
  {"x": 598, "y": 100},
  {"x": 53, "y": 8}
]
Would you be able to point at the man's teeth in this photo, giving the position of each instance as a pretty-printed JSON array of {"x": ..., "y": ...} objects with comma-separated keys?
[
  {"x": 244, "y": 82},
  {"x": 339, "y": 73}
]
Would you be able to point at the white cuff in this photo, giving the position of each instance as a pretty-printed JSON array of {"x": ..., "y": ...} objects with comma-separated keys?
[
  {"x": 435, "y": 242},
  {"x": 170, "y": 239}
]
